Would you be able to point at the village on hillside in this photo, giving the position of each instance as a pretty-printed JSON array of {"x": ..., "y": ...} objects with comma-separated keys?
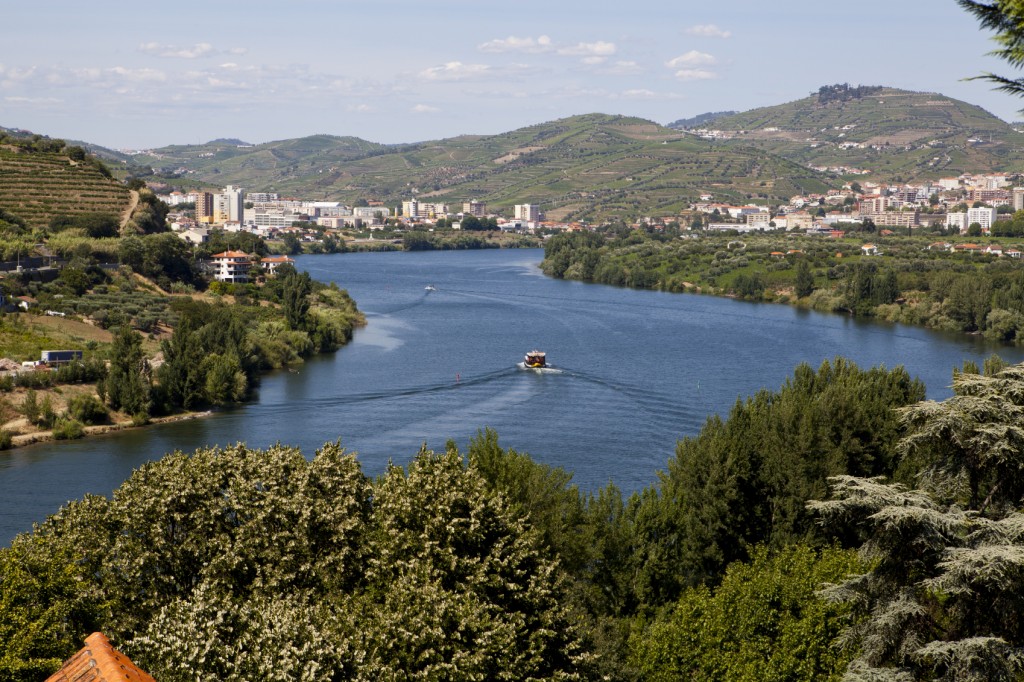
[{"x": 951, "y": 205}]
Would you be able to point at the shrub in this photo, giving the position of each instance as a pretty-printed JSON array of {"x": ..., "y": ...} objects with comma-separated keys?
[
  {"x": 6, "y": 439},
  {"x": 68, "y": 429},
  {"x": 87, "y": 409}
]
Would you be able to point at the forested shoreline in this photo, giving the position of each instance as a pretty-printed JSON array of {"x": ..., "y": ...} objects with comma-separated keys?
[
  {"x": 231, "y": 563},
  {"x": 921, "y": 280}
]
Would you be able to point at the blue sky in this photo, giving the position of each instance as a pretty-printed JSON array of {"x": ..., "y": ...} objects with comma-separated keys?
[{"x": 132, "y": 76}]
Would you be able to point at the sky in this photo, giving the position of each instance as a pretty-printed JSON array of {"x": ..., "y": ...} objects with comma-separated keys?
[{"x": 130, "y": 76}]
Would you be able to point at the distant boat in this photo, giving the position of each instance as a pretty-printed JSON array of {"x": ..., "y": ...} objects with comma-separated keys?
[
  {"x": 430, "y": 287},
  {"x": 535, "y": 359}
]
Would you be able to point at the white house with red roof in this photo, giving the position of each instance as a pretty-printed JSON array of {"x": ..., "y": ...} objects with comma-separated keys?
[
  {"x": 231, "y": 266},
  {"x": 270, "y": 264}
]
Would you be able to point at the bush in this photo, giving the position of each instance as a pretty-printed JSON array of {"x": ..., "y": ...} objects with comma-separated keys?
[
  {"x": 68, "y": 429},
  {"x": 6, "y": 439},
  {"x": 87, "y": 409}
]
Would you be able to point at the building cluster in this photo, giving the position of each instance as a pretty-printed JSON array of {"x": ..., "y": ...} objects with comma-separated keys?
[
  {"x": 953, "y": 203},
  {"x": 270, "y": 216}
]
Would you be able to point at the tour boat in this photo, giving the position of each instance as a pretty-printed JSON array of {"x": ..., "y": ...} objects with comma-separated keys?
[{"x": 535, "y": 358}]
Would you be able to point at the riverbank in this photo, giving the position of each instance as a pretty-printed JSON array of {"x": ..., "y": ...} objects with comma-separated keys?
[
  {"x": 200, "y": 351},
  {"x": 932, "y": 281},
  {"x": 100, "y": 429}
]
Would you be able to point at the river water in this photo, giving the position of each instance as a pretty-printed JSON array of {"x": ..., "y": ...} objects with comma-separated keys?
[{"x": 633, "y": 371}]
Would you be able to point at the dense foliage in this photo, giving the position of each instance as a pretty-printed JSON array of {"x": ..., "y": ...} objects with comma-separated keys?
[
  {"x": 238, "y": 564},
  {"x": 913, "y": 280},
  {"x": 234, "y": 563}
]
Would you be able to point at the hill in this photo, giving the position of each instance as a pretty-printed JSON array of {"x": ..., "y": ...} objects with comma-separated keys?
[
  {"x": 47, "y": 178},
  {"x": 699, "y": 120},
  {"x": 896, "y": 134},
  {"x": 585, "y": 167}
]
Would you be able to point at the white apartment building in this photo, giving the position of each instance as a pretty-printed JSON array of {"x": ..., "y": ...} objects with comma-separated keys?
[
  {"x": 229, "y": 205},
  {"x": 421, "y": 209},
  {"x": 986, "y": 217},
  {"x": 231, "y": 266},
  {"x": 371, "y": 212},
  {"x": 958, "y": 221},
  {"x": 529, "y": 212}
]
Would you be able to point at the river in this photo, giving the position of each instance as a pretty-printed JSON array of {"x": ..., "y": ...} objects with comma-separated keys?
[{"x": 633, "y": 371}]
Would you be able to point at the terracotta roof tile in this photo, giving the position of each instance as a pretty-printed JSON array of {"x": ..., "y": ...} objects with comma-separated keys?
[{"x": 99, "y": 661}]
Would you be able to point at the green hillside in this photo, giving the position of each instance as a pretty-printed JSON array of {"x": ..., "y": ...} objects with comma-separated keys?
[
  {"x": 896, "y": 134},
  {"x": 38, "y": 184},
  {"x": 586, "y": 167}
]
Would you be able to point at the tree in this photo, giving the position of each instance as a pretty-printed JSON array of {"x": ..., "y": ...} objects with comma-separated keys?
[
  {"x": 295, "y": 299},
  {"x": 291, "y": 244},
  {"x": 1006, "y": 18},
  {"x": 127, "y": 385},
  {"x": 237, "y": 564},
  {"x": 764, "y": 622},
  {"x": 948, "y": 556},
  {"x": 804, "y": 279}
]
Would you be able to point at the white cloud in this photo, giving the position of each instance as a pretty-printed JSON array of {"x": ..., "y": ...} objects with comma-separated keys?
[
  {"x": 599, "y": 48},
  {"x": 708, "y": 31},
  {"x": 424, "y": 109},
  {"x": 194, "y": 52},
  {"x": 643, "y": 93},
  {"x": 695, "y": 74},
  {"x": 359, "y": 108},
  {"x": 16, "y": 74},
  {"x": 623, "y": 68},
  {"x": 593, "y": 61},
  {"x": 137, "y": 75},
  {"x": 33, "y": 100},
  {"x": 455, "y": 71},
  {"x": 514, "y": 44},
  {"x": 691, "y": 59}
]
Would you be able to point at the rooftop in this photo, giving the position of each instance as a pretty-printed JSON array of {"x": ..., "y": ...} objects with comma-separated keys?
[{"x": 99, "y": 661}]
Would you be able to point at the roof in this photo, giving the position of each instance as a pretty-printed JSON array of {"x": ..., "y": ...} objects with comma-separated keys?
[
  {"x": 277, "y": 259},
  {"x": 99, "y": 661},
  {"x": 231, "y": 254}
]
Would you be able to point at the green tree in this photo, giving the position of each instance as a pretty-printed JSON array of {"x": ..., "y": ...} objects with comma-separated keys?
[
  {"x": 238, "y": 564},
  {"x": 804, "y": 279},
  {"x": 764, "y": 622},
  {"x": 1006, "y": 18},
  {"x": 127, "y": 385},
  {"x": 295, "y": 293},
  {"x": 746, "y": 480},
  {"x": 291, "y": 244}
]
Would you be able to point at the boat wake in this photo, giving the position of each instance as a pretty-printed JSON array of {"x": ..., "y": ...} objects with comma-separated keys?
[{"x": 539, "y": 370}]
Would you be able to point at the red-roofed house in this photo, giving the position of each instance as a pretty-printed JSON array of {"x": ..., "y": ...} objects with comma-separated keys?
[
  {"x": 271, "y": 263},
  {"x": 231, "y": 266},
  {"x": 99, "y": 661}
]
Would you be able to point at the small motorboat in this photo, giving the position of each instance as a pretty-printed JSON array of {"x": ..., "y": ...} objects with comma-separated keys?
[
  {"x": 430, "y": 287},
  {"x": 535, "y": 359}
]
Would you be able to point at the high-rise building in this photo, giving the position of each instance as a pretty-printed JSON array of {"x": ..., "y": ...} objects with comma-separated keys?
[
  {"x": 1018, "y": 198},
  {"x": 475, "y": 208},
  {"x": 529, "y": 212},
  {"x": 229, "y": 205},
  {"x": 204, "y": 207},
  {"x": 986, "y": 217}
]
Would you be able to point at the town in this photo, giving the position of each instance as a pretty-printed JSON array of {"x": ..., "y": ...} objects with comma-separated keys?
[{"x": 969, "y": 205}]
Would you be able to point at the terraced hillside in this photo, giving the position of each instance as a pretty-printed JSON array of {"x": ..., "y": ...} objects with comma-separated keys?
[
  {"x": 37, "y": 186},
  {"x": 584, "y": 167},
  {"x": 896, "y": 134}
]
